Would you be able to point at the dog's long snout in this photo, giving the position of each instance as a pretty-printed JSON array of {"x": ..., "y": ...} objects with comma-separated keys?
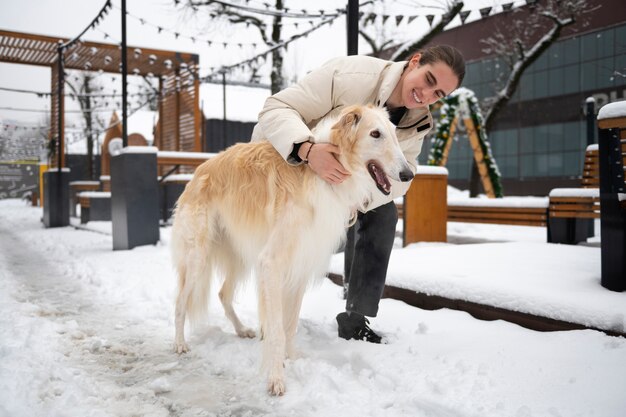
[{"x": 406, "y": 175}]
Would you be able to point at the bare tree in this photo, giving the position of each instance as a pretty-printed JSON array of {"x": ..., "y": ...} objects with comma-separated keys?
[
  {"x": 521, "y": 38},
  {"x": 271, "y": 35},
  {"x": 527, "y": 35},
  {"x": 378, "y": 38},
  {"x": 408, "y": 49}
]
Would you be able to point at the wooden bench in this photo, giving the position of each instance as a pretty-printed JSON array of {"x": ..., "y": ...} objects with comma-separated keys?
[
  {"x": 172, "y": 185},
  {"x": 612, "y": 157},
  {"x": 518, "y": 211},
  {"x": 94, "y": 205},
  {"x": 77, "y": 187},
  {"x": 572, "y": 210}
]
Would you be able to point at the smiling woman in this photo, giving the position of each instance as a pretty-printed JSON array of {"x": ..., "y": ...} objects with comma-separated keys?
[{"x": 406, "y": 89}]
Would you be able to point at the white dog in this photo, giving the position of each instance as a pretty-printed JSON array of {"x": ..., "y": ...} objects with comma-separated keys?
[{"x": 248, "y": 209}]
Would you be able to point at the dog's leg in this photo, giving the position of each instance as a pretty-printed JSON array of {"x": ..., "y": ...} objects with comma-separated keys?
[
  {"x": 292, "y": 304},
  {"x": 233, "y": 274},
  {"x": 272, "y": 325},
  {"x": 181, "y": 309}
]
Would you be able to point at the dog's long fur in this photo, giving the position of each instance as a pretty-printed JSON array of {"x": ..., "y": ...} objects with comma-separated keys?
[{"x": 247, "y": 209}]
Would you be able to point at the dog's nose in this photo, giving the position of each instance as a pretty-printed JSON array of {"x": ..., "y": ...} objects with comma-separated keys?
[{"x": 406, "y": 175}]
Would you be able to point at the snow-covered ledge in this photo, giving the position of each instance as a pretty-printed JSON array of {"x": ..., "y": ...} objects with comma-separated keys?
[
  {"x": 140, "y": 149},
  {"x": 431, "y": 170},
  {"x": 185, "y": 155},
  {"x": 613, "y": 110}
]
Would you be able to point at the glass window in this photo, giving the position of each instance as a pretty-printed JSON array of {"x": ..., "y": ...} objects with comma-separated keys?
[
  {"x": 473, "y": 73},
  {"x": 555, "y": 164},
  {"x": 605, "y": 43},
  {"x": 571, "y": 79},
  {"x": 571, "y": 51},
  {"x": 555, "y": 55},
  {"x": 510, "y": 164},
  {"x": 589, "y": 48},
  {"x": 541, "y": 165},
  {"x": 526, "y": 87},
  {"x": 527, "y": 167},
  {"x": 540, "y": 64},
  {"x": 556, "y": 81},
  {"x": 555, "y": 137},
  {"x": 526, "y": 140},
  {"x": 541, "y": 84},
  {"x": 620, "y": 35},
  {"x": 570, "y": 136},
  {"x": 620, "y": 65},
  {"x": 589, "y": 76},
  {"x": 541, "y": 139},
  {"x": 487, "y": 70},
  {"x": 605, "y": 73},
  {"x": 572, "y": 163}
]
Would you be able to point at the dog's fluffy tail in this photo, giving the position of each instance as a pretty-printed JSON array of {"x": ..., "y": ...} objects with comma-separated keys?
[{"x": 192, "y": 259}]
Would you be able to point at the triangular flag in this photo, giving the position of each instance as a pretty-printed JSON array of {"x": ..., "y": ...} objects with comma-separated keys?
[
  {"x": 464, "y": 14},
  {"x": 385, "y": 17},
  {"x": 399, "y": 19},
  {"x": 411, "y": 18},
  {"x": 484, "y": 12},
  {"x": 430, "y": 18},
  {"x": 507, "y": 6}
]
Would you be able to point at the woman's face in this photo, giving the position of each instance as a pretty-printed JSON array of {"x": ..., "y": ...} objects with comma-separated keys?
[{"x": 425, "y": 84}]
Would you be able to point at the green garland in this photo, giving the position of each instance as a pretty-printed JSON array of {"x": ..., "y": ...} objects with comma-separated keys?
[{"x": 449, "y": 110}]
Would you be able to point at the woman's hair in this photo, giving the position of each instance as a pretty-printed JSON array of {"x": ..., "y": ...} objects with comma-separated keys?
[{"x": 447, "y": 54}]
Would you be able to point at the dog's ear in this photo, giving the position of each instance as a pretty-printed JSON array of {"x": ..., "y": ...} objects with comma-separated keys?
[{"x": 350, "y": 119}]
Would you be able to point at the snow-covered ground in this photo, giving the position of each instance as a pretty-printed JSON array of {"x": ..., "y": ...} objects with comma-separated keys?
[{"x": 86, "y": 331}]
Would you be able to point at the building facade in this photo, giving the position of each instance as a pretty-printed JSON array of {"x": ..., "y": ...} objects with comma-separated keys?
[{"x": 539, "y": 139}]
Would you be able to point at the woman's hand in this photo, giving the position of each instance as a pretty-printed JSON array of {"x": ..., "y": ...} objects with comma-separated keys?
[{"x": 322, "y": 160}]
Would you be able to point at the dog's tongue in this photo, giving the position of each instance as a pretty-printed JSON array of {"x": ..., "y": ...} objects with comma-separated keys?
[{"x": 380, "y": 177}]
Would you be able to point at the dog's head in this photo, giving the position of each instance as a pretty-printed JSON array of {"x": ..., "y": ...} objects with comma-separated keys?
[{"x": 368, "y": 142}]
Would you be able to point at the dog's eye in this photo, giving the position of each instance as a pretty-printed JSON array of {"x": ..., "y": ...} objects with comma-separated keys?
[{"x": 375, "y": 134}]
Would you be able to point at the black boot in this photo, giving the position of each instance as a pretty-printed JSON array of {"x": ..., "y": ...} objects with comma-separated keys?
[{"x": 355, "y": 326}]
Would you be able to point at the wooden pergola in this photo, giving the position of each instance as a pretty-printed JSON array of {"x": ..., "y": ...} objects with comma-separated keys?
[{"x": 180, "y": 121}]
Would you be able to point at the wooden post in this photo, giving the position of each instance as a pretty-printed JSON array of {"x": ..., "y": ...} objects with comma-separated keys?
[
  {"x": 426, "y": 206},
  {"x": 472, "y": 134}
]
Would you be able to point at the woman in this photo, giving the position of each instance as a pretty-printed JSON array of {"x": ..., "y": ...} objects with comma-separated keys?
[{"x": 406, "y": 89}]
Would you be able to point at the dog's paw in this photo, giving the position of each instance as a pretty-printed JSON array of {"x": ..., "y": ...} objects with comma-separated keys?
[
  {"x": 181, "y": 347},
  {"x": 276, "y": 386},
  {"x": 246, "y": 332}
]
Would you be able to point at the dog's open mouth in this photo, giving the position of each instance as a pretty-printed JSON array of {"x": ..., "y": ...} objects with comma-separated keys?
[{"x": 379, "y": 176}]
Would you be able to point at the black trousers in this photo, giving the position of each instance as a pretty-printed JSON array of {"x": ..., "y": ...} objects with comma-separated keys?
[{"x": 367, "y": 252}]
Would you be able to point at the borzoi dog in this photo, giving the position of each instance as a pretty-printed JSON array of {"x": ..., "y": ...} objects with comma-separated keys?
[{"x": 248, "y": 209}]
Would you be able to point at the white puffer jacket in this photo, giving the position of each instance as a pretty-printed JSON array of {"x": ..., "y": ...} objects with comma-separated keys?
[{"x": 289, "y": 115}]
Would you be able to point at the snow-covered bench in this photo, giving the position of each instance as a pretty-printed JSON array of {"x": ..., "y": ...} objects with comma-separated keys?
[
  {"x": 612, "y": 157},
  {"x": 572, "y": 210},
  {"x": 94, "y": 205},
  {"x": 172, "y": 185},
  {"x": 77, "y": 187},
  {"x": 519, "y": 211}
]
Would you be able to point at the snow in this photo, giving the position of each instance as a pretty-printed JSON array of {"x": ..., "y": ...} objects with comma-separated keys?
[
  {"x": 537, "y": 202},
  {"x": 431, "y": 170},
  {"x": 613, "y": 110},
  {"x": 95, "y": 194},
  {"x": 575, "y": 192},
  {"x": 178, "y": 177},
  {"x": 185, "y": 155},
  {"x": 140, "y": 149},
  {"x": 88, "y": 331}
]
